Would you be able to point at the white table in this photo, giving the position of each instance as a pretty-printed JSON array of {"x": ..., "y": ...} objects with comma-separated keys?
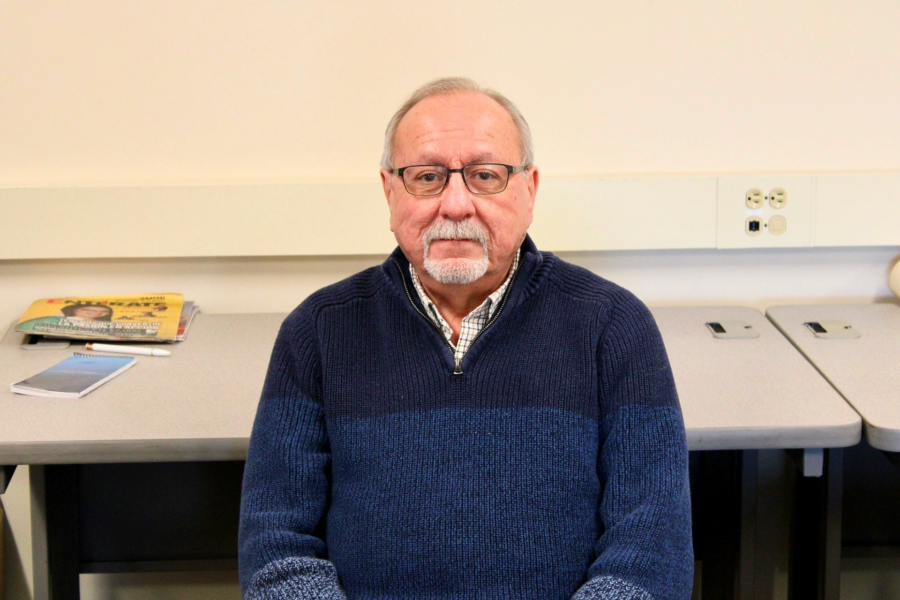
[
  {"x": 742, "y": 395},
  {"x": 197, "y": 407},
  {"x": 181, "y": 423},
  {"x": 739, "y": 394},
  {"x": 866, "y": 371},
  {"x": 197, "y": 404}
]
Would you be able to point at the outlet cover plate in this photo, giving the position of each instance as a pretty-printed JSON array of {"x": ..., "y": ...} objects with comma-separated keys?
[{"x": 732, "y": 211}]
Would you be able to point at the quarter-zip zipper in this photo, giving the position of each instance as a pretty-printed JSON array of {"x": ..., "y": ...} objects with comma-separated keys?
[
  {"x": 497, "y": 312},
  {"x": 457, "y": 369}
]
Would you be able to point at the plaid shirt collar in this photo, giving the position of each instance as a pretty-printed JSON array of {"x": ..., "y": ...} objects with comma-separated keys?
[{"x": 471, "y": 323}]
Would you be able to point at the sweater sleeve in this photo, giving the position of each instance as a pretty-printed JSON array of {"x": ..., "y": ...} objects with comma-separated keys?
[
  {"x": 287, "y": 480},
  {"x": 645, "y": 549}
]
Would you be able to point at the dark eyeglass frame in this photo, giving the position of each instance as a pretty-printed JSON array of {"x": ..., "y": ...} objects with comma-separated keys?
[{"x": 509, "y": 171}]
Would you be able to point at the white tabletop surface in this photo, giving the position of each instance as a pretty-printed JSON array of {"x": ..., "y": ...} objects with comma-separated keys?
[
  {"x": 866, "y": 370},
  {"x": 197, "y": 404},
  {"x": 750, "y": 393}
]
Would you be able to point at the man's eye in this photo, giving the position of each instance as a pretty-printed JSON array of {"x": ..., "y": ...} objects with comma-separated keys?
[
  {"x": 429, "y": 177},
  {"x": 483, "y": 176}
]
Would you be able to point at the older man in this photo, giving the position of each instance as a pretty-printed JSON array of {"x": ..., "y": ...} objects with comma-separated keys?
[{"x": 473, "y": 418}]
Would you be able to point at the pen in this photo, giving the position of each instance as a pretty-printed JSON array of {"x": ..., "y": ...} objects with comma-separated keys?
[{"x": 126, "y": 350}]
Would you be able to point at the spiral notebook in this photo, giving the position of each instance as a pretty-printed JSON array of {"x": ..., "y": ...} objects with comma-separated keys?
[{"x": 74, "y": 377}]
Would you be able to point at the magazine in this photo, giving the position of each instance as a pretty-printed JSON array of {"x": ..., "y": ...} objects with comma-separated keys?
[
  {"x": 74, "y": 377},
  {"x": 139, "y": 318},
  {"x": 188, "y": 310}
]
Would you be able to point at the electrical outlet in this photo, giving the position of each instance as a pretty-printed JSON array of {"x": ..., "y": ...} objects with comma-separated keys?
[
  {"x": 754, "y": 198},
  {"x": 749, "y": 218},
  {"x": 777, "y": 197}
]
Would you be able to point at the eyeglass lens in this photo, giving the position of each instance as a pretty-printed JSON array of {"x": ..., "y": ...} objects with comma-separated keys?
[{"x": 480, "y": 179}]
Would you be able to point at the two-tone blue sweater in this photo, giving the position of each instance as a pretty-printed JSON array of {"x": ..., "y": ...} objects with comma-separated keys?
[{"x": 554, "y": 466}]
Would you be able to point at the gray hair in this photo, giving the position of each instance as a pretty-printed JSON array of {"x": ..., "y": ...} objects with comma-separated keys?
[{"x": 452, "y": 85}]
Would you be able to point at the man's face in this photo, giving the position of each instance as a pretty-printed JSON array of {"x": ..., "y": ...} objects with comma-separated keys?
[
  {"x": 456, "y": 130},
  {"x": 90, "y": 312}
]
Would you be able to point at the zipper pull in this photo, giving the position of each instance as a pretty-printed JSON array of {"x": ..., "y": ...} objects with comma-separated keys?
[{"x": 458, "y": 369}]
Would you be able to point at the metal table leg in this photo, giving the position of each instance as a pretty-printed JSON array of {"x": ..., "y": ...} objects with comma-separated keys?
[
  {"x": 726, "y": 507},
  {"x": 815, "y": 563},
  {"x": 54, "y": 532},
  {"x": 6, "y": 473}
]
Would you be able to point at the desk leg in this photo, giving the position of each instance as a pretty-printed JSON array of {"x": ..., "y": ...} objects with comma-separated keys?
[
  {"x": 815, "y": 563},
  {"x": 6, "y": 473},
  {"x": 40, "y": 574},
  {"x": 54, "y": 532},
  {"x": 747, "y": 542},
  {"x": 727, "y": 529}
]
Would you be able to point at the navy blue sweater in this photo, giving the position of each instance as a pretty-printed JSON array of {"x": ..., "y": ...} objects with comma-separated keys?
[{"x": 554, "y": 466}]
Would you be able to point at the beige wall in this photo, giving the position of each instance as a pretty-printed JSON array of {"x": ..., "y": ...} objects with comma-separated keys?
[
  {"x": 222, "y": 90},
  {"x": 153, "y": 92}
]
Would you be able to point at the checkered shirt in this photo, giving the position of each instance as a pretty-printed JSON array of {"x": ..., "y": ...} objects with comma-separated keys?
[{"x": 471, "y": 323}]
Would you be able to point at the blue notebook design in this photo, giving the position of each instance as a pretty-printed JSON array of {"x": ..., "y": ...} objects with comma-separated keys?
[{"x": 74, "y": 377}]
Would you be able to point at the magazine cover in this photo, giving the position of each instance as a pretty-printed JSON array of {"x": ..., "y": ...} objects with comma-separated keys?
[{"x": 145, "y": 317}]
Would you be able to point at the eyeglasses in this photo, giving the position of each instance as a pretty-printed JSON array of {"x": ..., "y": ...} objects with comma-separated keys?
[{"x": 482, "y": 179}]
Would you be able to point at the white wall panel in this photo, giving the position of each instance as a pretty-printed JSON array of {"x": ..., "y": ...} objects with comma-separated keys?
[
  {"x": 257, "y": 220},
  {"x": 324, "y": 219},
  {"x": 328, "y": 219},
  {"x": 857, "y": 210},
  {"x": 626, "y": 214}
]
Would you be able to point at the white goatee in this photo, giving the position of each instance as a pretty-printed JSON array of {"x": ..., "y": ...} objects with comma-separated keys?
[{"x": 456, "y": 270}]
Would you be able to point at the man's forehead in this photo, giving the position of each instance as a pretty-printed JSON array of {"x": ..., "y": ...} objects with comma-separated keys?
[
  {"x": 459, "y": 99},
  {"x": 469, "y": 156},
  {"x": 466, "y": 125}
]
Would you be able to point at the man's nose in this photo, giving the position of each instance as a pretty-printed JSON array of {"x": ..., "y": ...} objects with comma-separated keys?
[{"x": 456, "y": 199}]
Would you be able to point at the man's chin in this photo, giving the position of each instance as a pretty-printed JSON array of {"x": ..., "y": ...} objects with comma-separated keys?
[{"x": 456, "y": 271}]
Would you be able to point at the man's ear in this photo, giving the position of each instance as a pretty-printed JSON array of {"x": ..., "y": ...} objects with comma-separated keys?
[
  {"x": 386, "y": 177},
  {"x": 386, "y": 184},
  {"x": 533, "y": 180}
]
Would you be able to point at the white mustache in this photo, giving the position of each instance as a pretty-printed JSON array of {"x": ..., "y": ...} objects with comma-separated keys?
[{"x": 455, "y": 230}]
